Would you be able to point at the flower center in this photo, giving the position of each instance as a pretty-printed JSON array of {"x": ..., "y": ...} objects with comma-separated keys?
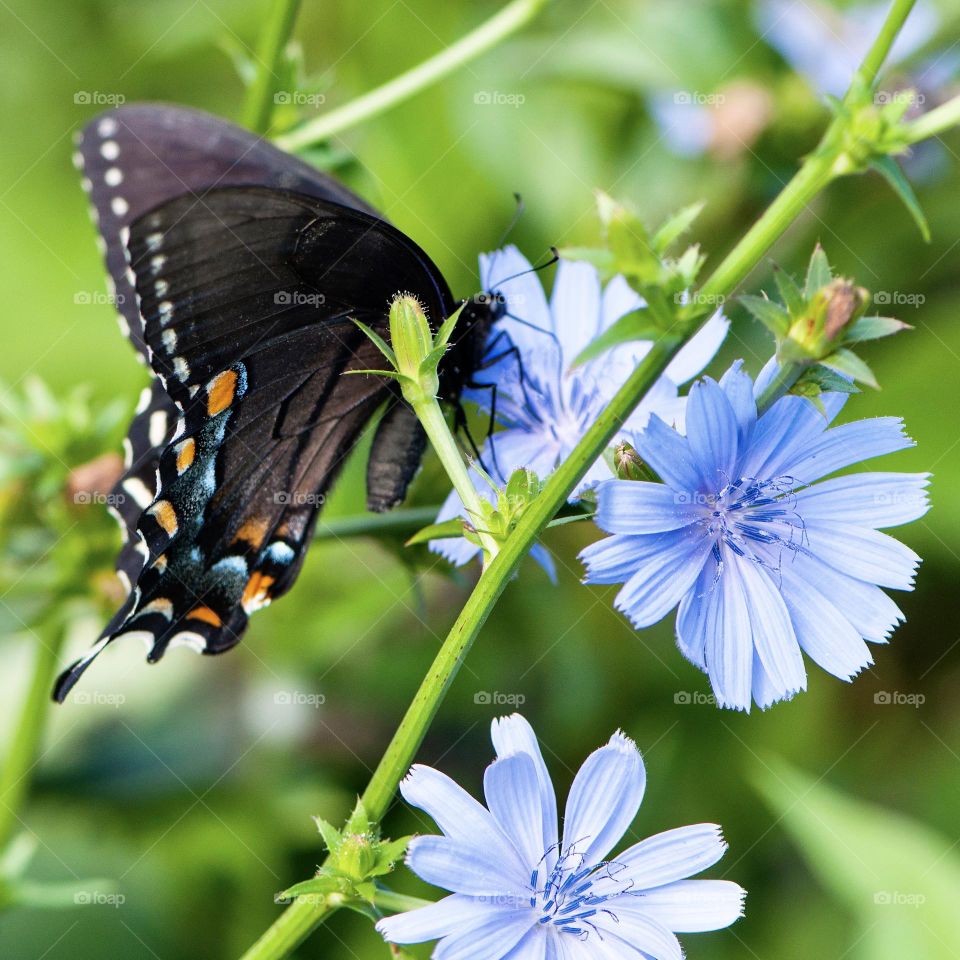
[
  {"x": 572, "y": 896},
  {"x": 748, "y": 514}
]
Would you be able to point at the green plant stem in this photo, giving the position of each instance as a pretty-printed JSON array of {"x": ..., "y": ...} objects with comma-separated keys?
[
  {"x": 937, "y": 121},
  {"x": 391, "y": 902},
  {"x": 787, "y": 375},
  {"x": 301, "y": 917},
  {"x": 500, "y": 26},
  {"x": 22, "y": 755},
  {"x": 878, "y": 52},
  {"x": 401, "y": 522},
  {"x": 258, "y": 108},
  {"x": 441, "y": 439}
]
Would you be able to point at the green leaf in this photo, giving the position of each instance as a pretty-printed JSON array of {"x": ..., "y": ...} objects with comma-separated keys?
[
  {"x": 381, "y": 344},
  {"x": 891, "y": 171},
  {"x": 331, "y": 835},
  {"x": 819, "y": 274},
  {"x": 636, "y": 325},
  {"x": 790, "y": 293},
  {"x": 846, "y": 361},
  {"x": 770, "y": 314},
  {"x": 359, "y": 822},
  {"x": 898, "y": 878},
  {"x": 676, "y": 225},
  {"x": 437, "y": 531},
  {"x": 323, "y": 884},
  {"x": 872, "y": 328},
  {"x": 443, "y": 335}
]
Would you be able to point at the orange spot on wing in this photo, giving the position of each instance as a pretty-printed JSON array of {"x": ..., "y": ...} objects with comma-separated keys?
[
  {"x": 254, "y": 531},
  {"x": 206, "y": 615},
  {"x": 220, "y": 392},
  {"x": 256, "y": 594},
  {"x": 165, "y": 515},
  {"x": 186, "y": 451}
]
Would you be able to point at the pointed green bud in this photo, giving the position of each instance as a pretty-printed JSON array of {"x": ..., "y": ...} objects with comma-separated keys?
[
  {"x": 357, "y": 855},
  {"x": 628, "y": 464},
  {"x": 410, "y": 336}
]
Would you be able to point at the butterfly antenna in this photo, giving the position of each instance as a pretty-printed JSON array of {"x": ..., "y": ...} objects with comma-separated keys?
[
  {"x": 554, "y": 257},
  {"x": 514, "y": 220}
]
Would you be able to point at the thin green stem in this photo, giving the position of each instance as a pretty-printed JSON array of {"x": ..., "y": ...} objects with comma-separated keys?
[
  {"x": 391, "y": 902},
  {"x": 786, "y": 376},
  {"x": 817, "y": 171},
  {"x": 441, "y": 439},
  {"x": 937, "y": 121},
  {"x": 258, "y": 108},
  {"x": 878, "y": 52},
  {"x": 22, "y": 756},
  {"x": 500, "y": 26},
  {"x": 407, "y": 521}
]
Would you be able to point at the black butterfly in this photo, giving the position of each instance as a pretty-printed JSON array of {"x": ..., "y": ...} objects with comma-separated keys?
[{"x": 238, "y": 272}]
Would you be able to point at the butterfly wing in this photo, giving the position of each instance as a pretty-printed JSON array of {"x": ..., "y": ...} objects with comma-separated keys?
[
  {"x": 247, "y": 297},
  {"x": 137, "y": 157}
]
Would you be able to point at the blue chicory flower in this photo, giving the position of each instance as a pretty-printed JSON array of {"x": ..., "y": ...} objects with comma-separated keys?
[
  {"x": 761, "y": 563},
  {"x": 522, "y": 891},
  {"x": 543, "y": 405}
]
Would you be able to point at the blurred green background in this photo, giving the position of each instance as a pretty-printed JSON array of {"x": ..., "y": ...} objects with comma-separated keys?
[{"x": 192, "y": 784}]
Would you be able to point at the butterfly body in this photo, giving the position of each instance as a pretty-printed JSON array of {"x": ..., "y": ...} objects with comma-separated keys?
[{"x": 239, "y": 273}]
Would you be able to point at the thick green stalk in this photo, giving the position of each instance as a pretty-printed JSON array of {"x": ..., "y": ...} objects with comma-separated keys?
[
  {"x": 500, "y": 26},
  {"x": 258, "y": 108},
  {"x": 22, "y": 756},
  {"x": 877, "y": 53}
]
